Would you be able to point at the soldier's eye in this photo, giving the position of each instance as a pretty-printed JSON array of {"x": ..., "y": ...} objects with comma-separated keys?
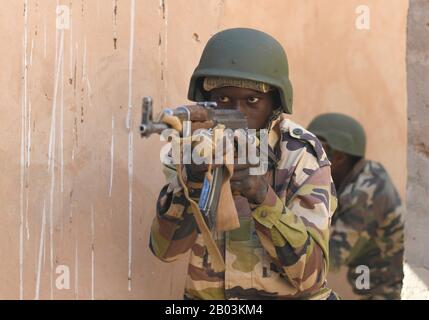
[
  {"x": 253, "y": 100},
  {"x": 223, "y": 99}
]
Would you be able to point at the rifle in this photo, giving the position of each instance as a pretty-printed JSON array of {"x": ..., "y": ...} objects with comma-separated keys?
[
  {"x": 205, "y": 212},
  {"x": 210, "y": 193}
]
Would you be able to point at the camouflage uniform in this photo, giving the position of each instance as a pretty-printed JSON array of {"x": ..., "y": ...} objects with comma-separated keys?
[
  {"x": 280, "y": 250},
  {"x": 367, "y": 229}
]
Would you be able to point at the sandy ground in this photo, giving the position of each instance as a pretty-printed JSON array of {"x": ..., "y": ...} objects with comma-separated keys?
[{"x": 416, "y": 283}]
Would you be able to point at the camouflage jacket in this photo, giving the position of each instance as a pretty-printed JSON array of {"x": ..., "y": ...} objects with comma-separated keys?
[
  {"x": 368, "y": 230},
  {"x": 280, "y": 250}
]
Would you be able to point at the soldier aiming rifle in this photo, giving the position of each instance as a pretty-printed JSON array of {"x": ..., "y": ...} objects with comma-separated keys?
[{"x": 276, "y": 242}]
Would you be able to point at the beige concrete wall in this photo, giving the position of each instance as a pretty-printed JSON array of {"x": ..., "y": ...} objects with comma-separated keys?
[
  {"x": 416, "y": 281},
  {"x": 78, "y": 185}
]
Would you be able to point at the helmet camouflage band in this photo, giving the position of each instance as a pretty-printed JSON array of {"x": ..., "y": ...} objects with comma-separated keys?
[
  {"x": 243, "y": 54},
  {"x": 211, "y": 83},
  {"x": 341, "y": 132}
]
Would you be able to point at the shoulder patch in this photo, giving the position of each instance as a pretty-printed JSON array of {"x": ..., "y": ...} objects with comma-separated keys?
[{"x": 296, "y": 137}]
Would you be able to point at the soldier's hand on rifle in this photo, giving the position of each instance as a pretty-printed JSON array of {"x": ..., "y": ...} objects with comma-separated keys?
[
  {"x": 252, "y": 187},
  {"x": 196, "y": 172}
]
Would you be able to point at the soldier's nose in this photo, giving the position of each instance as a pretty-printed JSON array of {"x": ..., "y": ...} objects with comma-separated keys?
[{"x": 240, "y": 105}]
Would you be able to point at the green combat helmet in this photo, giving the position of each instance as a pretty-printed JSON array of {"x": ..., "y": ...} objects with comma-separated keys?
[
  {"x": 245, "y": 54},
  {"x": 341, "y": 132}
]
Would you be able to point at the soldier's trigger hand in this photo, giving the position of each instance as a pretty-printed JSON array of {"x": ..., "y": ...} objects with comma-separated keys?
[{"x": 252, "y": 187}]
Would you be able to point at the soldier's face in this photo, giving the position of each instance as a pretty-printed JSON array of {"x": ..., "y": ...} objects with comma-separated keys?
[
  {"x": 257, "y": 106},
  {"x": 339, "y": 168},
  {"x": 329, "y": 152}
]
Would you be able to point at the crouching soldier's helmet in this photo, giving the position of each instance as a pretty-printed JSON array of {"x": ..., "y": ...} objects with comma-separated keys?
[
  {"x": 341, "y": 132},
  {"x": 244, "y": 54}
]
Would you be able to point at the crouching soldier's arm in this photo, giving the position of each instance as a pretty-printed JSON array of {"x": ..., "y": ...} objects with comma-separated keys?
[
  {"x": 296, "y": 235},
  {"x": 174, "y": 229},
  {"x": 375, "y": 216},
  {"x": 370, "y": 210},
  {"x": 344, "y": 237}
]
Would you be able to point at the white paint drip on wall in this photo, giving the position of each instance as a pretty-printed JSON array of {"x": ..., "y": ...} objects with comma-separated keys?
[
  {"x": 26, "y": 220},
  {"x": 89, "y": 87},
  {"x": 92, "y": 254},
  {"x": 44, "y": 250},
  {"x": 23, "y": 151},
  {"x": 76, "y": 272},
  {"x": 130, "y": 142},
  {"x": 130, "y": 66},
  {"x": 112, "y": 153},
  {"x": 36, "y": 262},
  {"x": 130, "y": 206},
  {"x": 71, "y": 41},
  {"x": 160, "y": 45},
  {"x": 28, "y": 165},
  {"x": 31, "y": 52},
  {"x": 41, "y": 248},
  {"x": 62, "y": 126},
  {"x": 21, "y": 240},
  {"x": 85, "y": 78},
  {"x": 160, "y": 55},
  {"x": 76, "y": 260},
  {"x": 61, "y": 198},
  {"x": 51, "y": 153},
  {"x": 75, "y": 64},
  {"x": 56, "y": 37},
  {"x": 165, "y": 52},
  {"x": 84, "y": 61},
  {"x": 29, "y": 134}
]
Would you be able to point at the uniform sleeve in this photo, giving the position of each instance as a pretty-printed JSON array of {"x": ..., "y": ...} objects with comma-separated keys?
[
  {"x": 296, "y": 235},
  {"x": 173, "y": 230},
  {"x": 373, "y": 211},
  {"x": 347, "y": 238},
  {"x": 391, "y": 234}
]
